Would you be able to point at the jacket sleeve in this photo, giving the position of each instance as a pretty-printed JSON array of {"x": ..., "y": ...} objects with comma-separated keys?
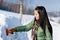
[
  {"x": 25, "y": 27},
  {"x": 48, "y": 35}
]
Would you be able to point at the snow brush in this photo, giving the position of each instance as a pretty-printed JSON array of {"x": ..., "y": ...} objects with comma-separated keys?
[{"x": 8, "y": 32}]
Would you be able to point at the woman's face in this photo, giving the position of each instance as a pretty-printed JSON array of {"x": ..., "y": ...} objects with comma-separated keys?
[{"x": 36, "y": 14}]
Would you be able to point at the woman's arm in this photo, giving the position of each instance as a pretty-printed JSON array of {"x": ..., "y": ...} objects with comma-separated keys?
[
  {"x": 25, "y": 27},
  {"x": 21, "y": 28}
]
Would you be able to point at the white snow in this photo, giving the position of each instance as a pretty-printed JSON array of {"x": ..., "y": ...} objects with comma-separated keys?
[
  {"x": 3, "y": 25},
  {"x": 10, "y": 20},
  {"x": 56, "y": 30},
  {"x": 1, "y": 39},
  {"x": 55, "y": 19}
]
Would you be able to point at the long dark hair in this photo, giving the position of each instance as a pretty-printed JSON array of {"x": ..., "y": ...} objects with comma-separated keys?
[{"x": 43, "y": 21}]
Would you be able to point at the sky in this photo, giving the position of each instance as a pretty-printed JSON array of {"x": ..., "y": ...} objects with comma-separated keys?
[{"x": 50, "y": 5}]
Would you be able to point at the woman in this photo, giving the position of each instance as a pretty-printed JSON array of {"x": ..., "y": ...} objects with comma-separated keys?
[{"x": 41, "y": 27}]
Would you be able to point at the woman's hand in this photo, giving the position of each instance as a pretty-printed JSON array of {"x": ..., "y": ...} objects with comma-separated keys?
[{"x": 10, "y": 31}]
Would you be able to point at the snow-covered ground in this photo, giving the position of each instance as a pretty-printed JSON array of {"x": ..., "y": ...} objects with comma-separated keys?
[
  {"x": 9, "y": 20},
  {"x": 55, "y": 19}
]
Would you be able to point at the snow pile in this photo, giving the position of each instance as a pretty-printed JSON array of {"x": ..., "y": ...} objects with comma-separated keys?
[
  {"x": 2, "y": 20},
  {"x": 56, "y": 30},
  {"x": 55, "y": 19},
  {"x": 3, "y": 25},
  {"x": 1, "y": 39},
  {"x": 12, "y": 20}
]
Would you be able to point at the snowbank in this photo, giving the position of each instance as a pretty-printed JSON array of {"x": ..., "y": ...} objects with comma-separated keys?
[
  {"x": 12, "y": 20},
  {"x": 3, "y": 25},
  {"x": 56, "y": 30}
]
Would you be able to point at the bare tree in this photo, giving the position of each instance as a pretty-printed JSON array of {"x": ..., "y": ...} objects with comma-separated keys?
[{"x": 21, "y": 7}]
